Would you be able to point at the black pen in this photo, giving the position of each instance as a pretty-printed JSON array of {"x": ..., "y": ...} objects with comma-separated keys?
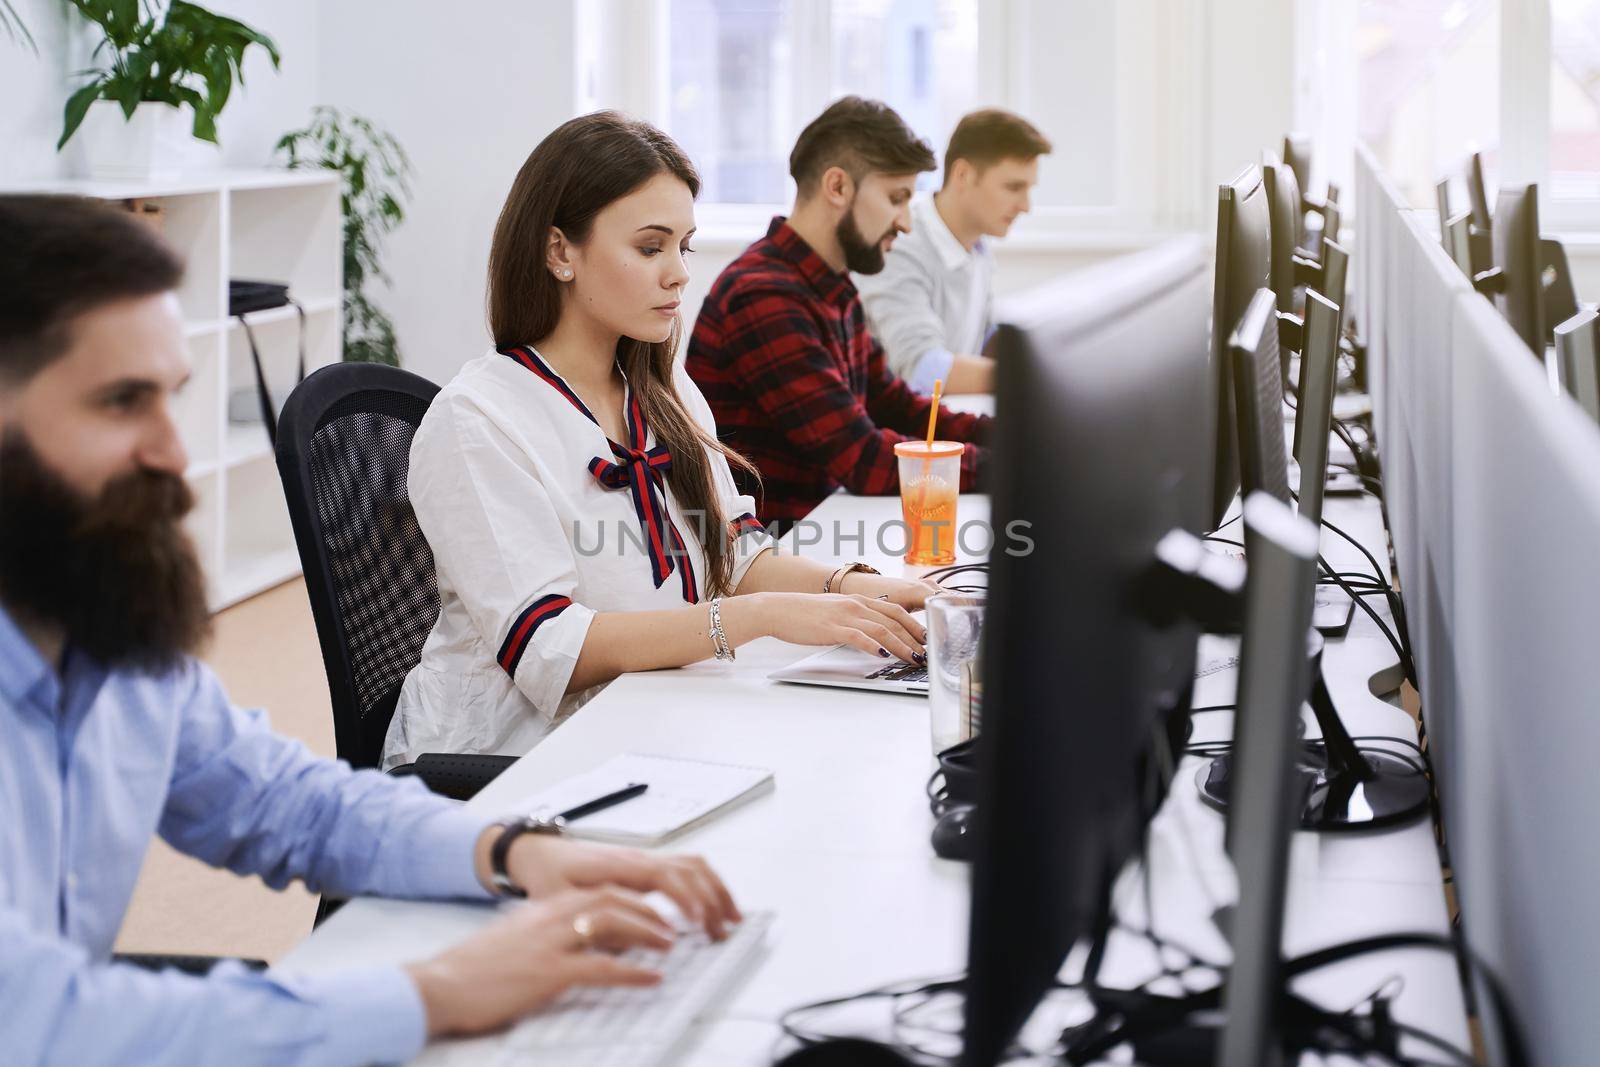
[{"x": 602, "y": 803}]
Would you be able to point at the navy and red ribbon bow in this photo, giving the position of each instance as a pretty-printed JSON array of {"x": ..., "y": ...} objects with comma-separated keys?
[{"x": 642, "y": 471}]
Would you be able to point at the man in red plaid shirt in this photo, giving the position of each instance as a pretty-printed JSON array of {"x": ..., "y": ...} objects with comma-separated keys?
[{"x": 781, "y": 348}]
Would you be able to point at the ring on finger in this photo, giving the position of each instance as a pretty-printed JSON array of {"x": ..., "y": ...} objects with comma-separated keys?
[{"x": 583, "y": 926}]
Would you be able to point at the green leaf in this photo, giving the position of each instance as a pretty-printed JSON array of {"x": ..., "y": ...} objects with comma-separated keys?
[
  {"x": 77, "y": 107},
  {"x": 124, "y": 91},
  {"x": 205, "y": 119},
  {"x": 123, "y": 15},
  {"x": 219, "y": 83}
]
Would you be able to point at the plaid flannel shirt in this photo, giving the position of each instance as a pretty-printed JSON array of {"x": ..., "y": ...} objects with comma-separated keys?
[{"x": 799, "y": 387}]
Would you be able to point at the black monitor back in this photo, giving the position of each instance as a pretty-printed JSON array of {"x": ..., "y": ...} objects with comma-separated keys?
[
  {"x": 1578, "y": 356},
  {"x": 1274, "y": 681},
  {"x": 1319, "y": 368},
  {"x": 1517, "y": 253},
  {"x": 1258, "y": 400},
  {"x": 1477, "y": 193},
  {"x": 1244, "y": 265},
  {"x": 1287, "y": 215},
  {"x": 1458, "y": 241},
  {"x": 1102, "y": 450},
  {"x": 1297, "y": 156}
]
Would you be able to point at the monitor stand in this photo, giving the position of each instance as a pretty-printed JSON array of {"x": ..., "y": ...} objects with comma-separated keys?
[{"x": 1344, "y": 786}]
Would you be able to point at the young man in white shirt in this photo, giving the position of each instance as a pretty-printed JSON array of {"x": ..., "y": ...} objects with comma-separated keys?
[{"x": 931, "y": 304}]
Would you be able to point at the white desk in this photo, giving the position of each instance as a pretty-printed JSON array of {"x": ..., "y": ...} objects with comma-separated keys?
[{"x": 840, "y": 848}]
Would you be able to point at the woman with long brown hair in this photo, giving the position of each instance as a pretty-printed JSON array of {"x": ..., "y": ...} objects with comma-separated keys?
[{"x": 582, "y": 514}]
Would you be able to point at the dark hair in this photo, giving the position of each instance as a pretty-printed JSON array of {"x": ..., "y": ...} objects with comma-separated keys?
[
  {"x": 585, "y": 164},
  {"x": 986, "y": 137},
  {"x": 61, "y": 256},
  {"x": 862, "y": 136}
]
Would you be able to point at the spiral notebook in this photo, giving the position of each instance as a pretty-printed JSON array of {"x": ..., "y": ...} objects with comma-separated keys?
[{"x": 683, "y": 794}]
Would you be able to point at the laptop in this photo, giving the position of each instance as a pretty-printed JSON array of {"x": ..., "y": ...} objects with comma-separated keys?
[{"x": 845, "y": 667}]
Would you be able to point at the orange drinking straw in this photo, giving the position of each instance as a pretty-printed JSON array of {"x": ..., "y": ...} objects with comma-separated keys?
[{"x": 927, "y": 458}]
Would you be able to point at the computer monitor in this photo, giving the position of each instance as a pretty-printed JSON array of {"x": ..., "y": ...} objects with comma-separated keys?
[
  {"x": 1244, "y": 265},
  {"x": 1274, "y": 682},
  {"x": 1085, "y": 699},
  {"x": 1319, "y": 366},
  {"x": 1458, "y": 241},
  {"x": 1477, "y": 193},
  {"x": 1258, "y": 400},
  {"x": 1297, "y": 157},
  {"x": 1518, "y": 259},
  {"x": 1578, "y": 356},
  {"x": 1560, "y": 296},
  {"x": 1335, "y": 272},
  {"x": 1355, "y": 788},
  {"x": 1287, "y": 218},
  {"x": 1332, "y": 219}
]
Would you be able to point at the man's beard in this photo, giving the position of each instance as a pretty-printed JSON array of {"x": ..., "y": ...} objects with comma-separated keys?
[
  {"x": 860, "y": 255},
  {"x": 116, "y": 573}
]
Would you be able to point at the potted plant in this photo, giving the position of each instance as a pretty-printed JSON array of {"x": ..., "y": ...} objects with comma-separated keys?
[
  {"x": 158, "y": 62},
  {"x": 376, "y": 183}
]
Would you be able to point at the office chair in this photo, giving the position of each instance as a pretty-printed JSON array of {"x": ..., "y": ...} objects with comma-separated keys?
[{"x": 344, "y": 451}]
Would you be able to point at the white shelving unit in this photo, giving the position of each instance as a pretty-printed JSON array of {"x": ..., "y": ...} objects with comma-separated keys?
[{"x": 269, "y": 225}]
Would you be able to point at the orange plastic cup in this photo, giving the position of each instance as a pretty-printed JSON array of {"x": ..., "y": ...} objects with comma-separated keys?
[{"x": 930, "y": 480}]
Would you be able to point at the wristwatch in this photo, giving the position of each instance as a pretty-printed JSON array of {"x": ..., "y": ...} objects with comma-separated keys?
[{"x": 500, "y": 882}]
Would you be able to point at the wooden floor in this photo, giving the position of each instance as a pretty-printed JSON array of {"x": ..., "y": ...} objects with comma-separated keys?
[{"x": 265, "y": 651}]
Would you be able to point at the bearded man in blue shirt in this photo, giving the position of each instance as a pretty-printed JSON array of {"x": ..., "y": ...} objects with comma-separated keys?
[{"x": 113, "y": 731}]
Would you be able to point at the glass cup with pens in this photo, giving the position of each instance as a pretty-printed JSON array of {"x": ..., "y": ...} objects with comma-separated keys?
[{"x": 955, "y": 686}]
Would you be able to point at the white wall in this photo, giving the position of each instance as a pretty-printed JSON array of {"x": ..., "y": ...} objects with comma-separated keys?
[
  {"x": 1250, "y": 104},
  {"x": 468, "y": 98},
  {"x": 31, "y": 96}
]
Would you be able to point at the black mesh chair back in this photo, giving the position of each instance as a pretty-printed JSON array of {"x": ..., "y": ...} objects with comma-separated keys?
[{"x": 344, "y": 450}]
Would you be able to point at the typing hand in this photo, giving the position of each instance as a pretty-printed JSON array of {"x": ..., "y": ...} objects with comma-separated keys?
[
  {"x": 535, "y": 953},
  {"x": 543, "y": 866},
  {"x": 877, "y": 627},
  {"x": 909, "y": 593}
]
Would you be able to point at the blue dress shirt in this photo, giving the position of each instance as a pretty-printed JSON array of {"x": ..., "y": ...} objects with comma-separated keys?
[{"x": 92, "y": 762}]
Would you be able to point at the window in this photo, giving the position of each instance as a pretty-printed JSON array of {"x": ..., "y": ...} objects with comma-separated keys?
[
  {"x": 1428, "y": 89},
  {"x": 733, "y": 67},
  {"x": 1117, "y": 85},
  {"x": 1574, "y": 99},
  {"x": 1518, "y": 80},
  {"x": 919, "y": 58}
]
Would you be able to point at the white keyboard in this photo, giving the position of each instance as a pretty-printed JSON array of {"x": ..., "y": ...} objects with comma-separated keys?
[{"x": 629, "y": 1027}]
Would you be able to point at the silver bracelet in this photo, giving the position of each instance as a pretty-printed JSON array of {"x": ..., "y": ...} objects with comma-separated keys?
[{"x": 719, "y": 640}]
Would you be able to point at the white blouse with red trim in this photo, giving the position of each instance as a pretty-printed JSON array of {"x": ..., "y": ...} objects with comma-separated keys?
[{"x": 531, "y": 536}]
